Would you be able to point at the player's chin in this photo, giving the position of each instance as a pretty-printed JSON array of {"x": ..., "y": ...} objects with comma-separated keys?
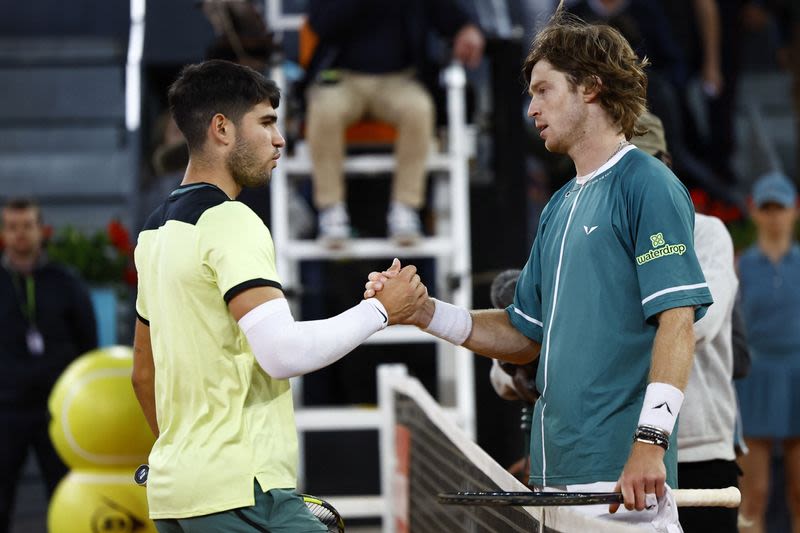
[
  {"x": 255, "y": 180},
  {"x": 555, "y": 147}
]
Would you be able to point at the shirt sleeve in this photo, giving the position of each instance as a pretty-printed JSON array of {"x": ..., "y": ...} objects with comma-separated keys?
[
  {"x": 526, "y": 311},
  {"x": 237, "y": 249},
  {"x": 141, "y": 301},
  {"x": 662, "y": 226}
]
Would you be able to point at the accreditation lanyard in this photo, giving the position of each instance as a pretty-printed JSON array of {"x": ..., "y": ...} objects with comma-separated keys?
[{"x": 33, "y": 336}]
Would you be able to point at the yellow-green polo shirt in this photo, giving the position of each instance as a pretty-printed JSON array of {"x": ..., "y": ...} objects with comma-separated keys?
[{"x": 222, "y": 420}]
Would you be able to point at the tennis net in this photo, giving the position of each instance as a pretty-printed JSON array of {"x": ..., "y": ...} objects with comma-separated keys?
[{"x": 430, "y": 454}]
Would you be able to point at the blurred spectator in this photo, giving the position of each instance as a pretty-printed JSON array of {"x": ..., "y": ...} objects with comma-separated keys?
[
  {"x": 794, "y": 61},
  {"x": 171, "y": 154},
  {"x": 709, "y": 33},
  {"x": 48, "y": 320},
  {"x": 364, "y": 66},
  {"x": 241, "y": 32},
  {"x": 647, "y": 26},
  {"x": 791, "y": 58},
  {"x": 643, "y": 23},
  {"x": 706, "y": 456},
  {"x": 770, "y": 395}
]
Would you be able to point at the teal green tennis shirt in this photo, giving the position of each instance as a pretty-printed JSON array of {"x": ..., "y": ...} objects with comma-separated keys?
[{"x": 609, "y": 256}]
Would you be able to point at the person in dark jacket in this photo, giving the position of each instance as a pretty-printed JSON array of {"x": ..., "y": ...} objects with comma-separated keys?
[{"x": 48, "y": 320}]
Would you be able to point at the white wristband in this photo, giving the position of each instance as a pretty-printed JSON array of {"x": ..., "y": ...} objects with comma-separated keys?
[
  {"x": 662, "y": 403},
  {"x": 450, "y": 322}
]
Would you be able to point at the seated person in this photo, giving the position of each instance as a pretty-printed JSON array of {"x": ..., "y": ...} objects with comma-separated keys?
[{"x": 364, "y": 66}]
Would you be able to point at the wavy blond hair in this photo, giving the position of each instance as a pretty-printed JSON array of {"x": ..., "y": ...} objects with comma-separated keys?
[{"x": 596, "y": 56}]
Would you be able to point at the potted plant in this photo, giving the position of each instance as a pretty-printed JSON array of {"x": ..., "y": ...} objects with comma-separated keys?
[{"x": 104, "y": 259}]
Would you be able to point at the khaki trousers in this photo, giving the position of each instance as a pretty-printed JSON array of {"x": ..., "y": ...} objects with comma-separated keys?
[{"x": 396, "y": 98}]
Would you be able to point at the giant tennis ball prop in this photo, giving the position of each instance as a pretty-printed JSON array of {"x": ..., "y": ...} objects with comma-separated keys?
[
  {"x": 104, "y": 501},
  {"x": 96, "y": 420},
  {"x": 99, "y": 431}
]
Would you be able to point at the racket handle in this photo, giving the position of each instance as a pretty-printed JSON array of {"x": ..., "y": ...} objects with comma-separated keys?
[{"x": 728, "y": 497}]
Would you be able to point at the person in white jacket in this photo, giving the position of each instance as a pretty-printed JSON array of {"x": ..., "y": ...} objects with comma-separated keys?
[{"x": 706, "y": 456}]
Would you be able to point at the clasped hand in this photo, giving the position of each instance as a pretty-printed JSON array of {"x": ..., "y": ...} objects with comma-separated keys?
[{"x": 401, "y": 292}]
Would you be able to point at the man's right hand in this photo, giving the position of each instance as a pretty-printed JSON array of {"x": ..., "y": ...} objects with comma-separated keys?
[
  {"x": 402, "y": 293},
  {"x": 377, "y": 279}
]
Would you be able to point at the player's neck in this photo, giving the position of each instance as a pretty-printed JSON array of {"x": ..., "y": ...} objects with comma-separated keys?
[
  {"x": 594, "y": 147},
  {"x": 201, "y": 171}
]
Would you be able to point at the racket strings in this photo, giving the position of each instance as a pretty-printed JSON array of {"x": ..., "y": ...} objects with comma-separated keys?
[{"x": 325, "y": 513}]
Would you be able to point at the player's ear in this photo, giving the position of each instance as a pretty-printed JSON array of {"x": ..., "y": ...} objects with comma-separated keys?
[
  {"x": 220, "y": 129},
  {"x": 591, "y": 88}
]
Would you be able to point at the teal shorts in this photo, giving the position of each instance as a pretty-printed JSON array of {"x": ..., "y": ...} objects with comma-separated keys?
[{"x": 275, "y": 511}]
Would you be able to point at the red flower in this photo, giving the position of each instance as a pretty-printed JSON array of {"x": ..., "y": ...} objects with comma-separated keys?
[
  {"x": 130, "y": 276},
  {"x": 700, "y": 200},
  {"x": 119, "y": 236}
]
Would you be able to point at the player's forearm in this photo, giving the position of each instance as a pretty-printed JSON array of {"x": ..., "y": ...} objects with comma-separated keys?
[
  {"x": 146, "y": 394},
  {"x": 144, "y": 387},
  {"x": 487, "y": 333},
  {"x": 673, "y": 347},
  {"x": 493, "y": 335},
  {"x": 143, "y": 376},
  {"x": 285, "y": 348}
]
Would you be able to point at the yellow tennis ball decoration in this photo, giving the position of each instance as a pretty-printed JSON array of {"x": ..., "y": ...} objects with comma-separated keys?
[
  {"x": 96, "y": 420},
  {"x": 105, "y": 501}
]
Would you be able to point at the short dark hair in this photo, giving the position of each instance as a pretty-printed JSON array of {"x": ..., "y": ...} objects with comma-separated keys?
[
  {"x": 217, "y": 86},
  {"x": 21, "y": 203},
  {"x": 586, "y": 53}
]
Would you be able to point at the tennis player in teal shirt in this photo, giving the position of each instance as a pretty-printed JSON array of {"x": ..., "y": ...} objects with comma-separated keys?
[
  {"x": 609, "y": 256},
  {"x": 610, "y": 292}
]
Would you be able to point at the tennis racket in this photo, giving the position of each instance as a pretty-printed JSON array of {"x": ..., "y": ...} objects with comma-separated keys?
[
  {"x": 729, "y": 497},
  {"x": 324, "y": 512},
  {"x": 536, "y": 499}
]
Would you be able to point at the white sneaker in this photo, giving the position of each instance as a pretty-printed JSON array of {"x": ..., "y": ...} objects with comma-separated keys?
[
  {"x": 403, "y": 224},
  {"x": 334, "y": 226}
]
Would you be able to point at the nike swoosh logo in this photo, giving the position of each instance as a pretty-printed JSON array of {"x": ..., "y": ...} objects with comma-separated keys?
[
  {"x": 385, "y": 318},
  {"x": 588, "y": 230}
]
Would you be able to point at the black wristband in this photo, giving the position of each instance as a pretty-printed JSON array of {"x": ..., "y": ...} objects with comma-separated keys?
[{"x": 652, "y": 435}]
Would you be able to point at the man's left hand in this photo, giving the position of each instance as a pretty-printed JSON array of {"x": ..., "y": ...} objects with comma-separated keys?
[{"x": 644, "y": 473}]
